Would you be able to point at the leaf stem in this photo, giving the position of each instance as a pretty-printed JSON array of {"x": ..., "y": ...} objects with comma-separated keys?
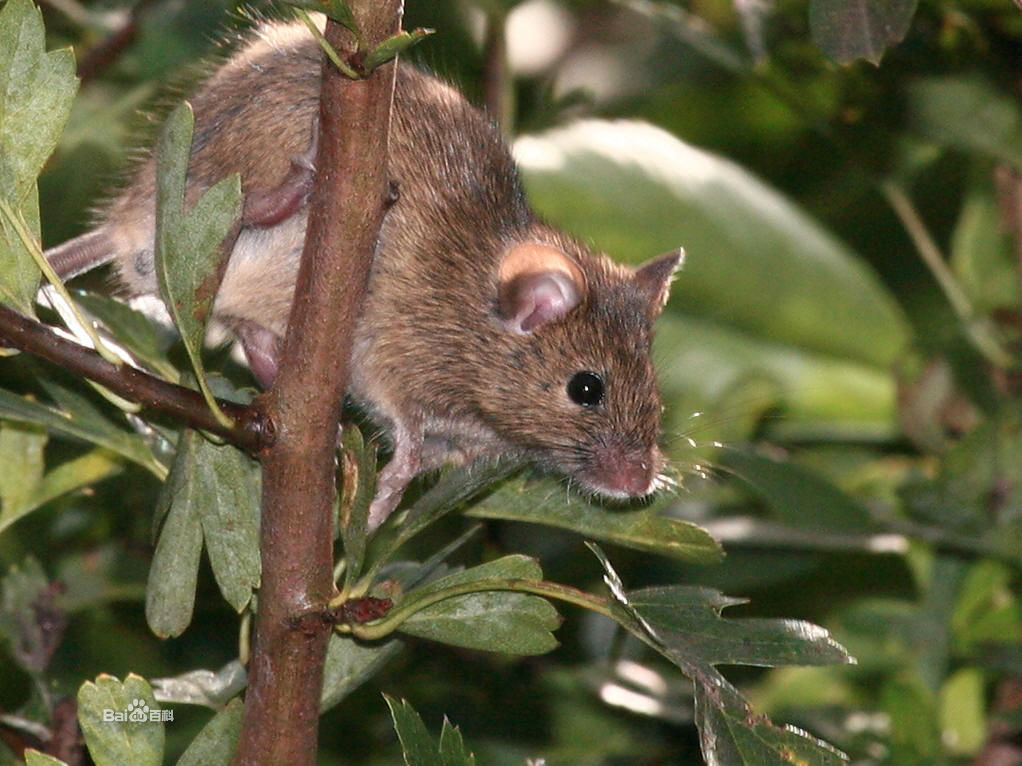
[
  {"x": 384, "y": 627},
  {"x": 980, "y": 332}
]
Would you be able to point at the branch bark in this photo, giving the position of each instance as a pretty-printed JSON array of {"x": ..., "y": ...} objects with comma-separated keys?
[
  {"x": 251, "y": 432},
  {"x": 346, "y": 209}
]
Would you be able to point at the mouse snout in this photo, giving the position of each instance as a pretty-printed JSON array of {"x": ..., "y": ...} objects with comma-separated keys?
[{"x": 624, "y": 473}]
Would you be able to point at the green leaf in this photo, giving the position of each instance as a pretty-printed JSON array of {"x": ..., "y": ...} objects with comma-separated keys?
[
  {"x": 455, "y": 488},
  {"x": 496, "y": 621},
  {"x": 26, "y": 601},
  {"x": 218, "y": 740},
  {"x": 170, "y": 592},
  {"x": 337, "y": 10},
  {"x": 798, "y": 496},
  {"x": 359, "y": 463},
  {"x": 392, "y": 47},
  {"x": 645, "y": 530},
  {"x": 847, "y": 30},
  {"x": 349, "y": 664},
  {"x": 116, "y": 719},
  {"x": 75, "y": 474},
  {"x": 966, "y": 112},
  {"x": 36, "y": 91},
  {"x": 212, "y": 494},
  {"x": 982, "y": 254},
  {"x": 687, "y": 620},
  {"x": 35, "y": 758},
  {"x": 134, "y": 330},
  {"x": 452, "y": 747},
  {"x": 419, "y": 747},
  {"x": 731, "y": 735},
  {"x": 978, "y": 487},
  {"x": 21, "y": 468},
  {"x": 963, "y": 721},
  {"x": 739, "y": 235},
  {"x": 189, "y": 256},
  {"x": 709, "y": 364},
  {"x": 77, "y": 418},
  {"x": 683, "y": 623},
  {"x": 227, "y": 498}
]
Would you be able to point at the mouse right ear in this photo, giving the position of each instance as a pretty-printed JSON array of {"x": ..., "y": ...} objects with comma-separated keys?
[{"x": 538, "y": 284}]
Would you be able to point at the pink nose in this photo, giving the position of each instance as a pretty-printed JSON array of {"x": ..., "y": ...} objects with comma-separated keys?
[{"x": 625, "y": 476}]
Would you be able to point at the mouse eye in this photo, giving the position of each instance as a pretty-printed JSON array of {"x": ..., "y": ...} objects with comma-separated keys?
[{"x": 586, "y": 389}]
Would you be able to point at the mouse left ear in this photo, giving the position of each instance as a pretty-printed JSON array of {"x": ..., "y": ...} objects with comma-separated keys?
[
  {"x": 654, "y": 278},
  {"x": 538, "y": 284}
]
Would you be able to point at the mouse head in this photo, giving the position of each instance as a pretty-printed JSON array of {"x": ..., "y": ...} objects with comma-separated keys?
[{"x": 577, "y": 386}]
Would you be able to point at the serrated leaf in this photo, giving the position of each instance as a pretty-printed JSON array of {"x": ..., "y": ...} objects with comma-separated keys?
[
  {"x": 80, "y": 472},
  {"x": 349, "y": 664},
  {"x": 798, "y": 496},
  {"x": 847, "y": 30},
  {"x": 739, "y": 234},
  {"x": 189, "y": 256},
  {"x": 646, "y": 530},
  {"x": 730, "y": 736},
  {"x": 392, "y": 47},
  {"x": 36, "y": 92},
  {"x": 496, "y": 621},
  {"x": 79, "y": 419},
  {"x": 452, "y": 747},
  {"x": 688, "y": 620},
  {"x": 417, "y": 744},
  {"x": 135, "y": 739},
  {"x": 683, "y": 623},
  {"x": 218, "y": 740}
]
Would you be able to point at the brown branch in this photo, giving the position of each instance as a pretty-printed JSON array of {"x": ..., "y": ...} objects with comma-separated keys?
[
  {"x": 498, "y": 91},
  {"x": 346, "y": 209},
  {"x": 103, "y": 55},
  {"x": 251, "y": 432}
]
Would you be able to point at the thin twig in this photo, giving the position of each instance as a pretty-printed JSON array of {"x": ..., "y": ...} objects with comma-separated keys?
[
  {"x": 251, "y": 432},
  {"x": 979, "y": 331}
]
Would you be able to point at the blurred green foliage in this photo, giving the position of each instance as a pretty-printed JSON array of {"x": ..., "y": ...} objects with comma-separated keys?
[{"x": 838, "y": 361}]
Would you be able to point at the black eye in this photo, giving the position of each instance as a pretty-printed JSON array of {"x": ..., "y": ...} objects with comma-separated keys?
[{"x": 586, "y": 388}]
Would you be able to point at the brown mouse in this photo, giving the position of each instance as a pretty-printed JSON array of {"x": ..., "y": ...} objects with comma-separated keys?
[{"x": 485, "y": 331}]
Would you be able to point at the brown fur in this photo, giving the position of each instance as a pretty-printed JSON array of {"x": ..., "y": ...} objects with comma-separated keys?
[{"x": 434, "y": 359}]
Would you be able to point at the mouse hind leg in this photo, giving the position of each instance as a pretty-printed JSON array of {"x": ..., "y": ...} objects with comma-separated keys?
[{"x": 268, "y": 207}]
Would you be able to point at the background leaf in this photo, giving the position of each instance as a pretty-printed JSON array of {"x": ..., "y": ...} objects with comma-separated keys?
[
  {"x": 36, "y": 90},
  {"x": 112, "y": 742},
  {"x": 852, "y": 29},
  {"x": 189, "y": 256}
]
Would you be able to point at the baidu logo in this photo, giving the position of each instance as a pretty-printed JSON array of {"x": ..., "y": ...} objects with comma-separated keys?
[{"x": 138, "y": 711}]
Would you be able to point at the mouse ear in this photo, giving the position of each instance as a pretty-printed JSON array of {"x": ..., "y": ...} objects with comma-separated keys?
[
  {"x": 538, "y": 284},
  {"x": 654, "y": 278}
]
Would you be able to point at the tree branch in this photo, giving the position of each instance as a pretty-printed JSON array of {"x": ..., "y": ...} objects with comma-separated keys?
[
  {"x": 345, "y": 212},
  {"x": 251, "y": 432}
]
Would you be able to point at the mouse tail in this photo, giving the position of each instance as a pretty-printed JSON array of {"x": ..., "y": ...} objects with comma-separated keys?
[{"x": 83, "y": 253}]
